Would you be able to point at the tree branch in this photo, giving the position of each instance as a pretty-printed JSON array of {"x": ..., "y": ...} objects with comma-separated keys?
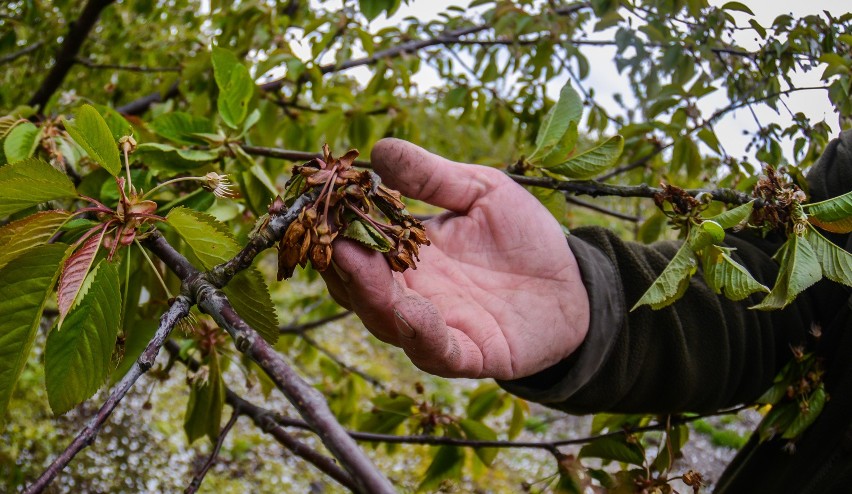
[
  {"x": 265, "y": 420},
  {"x": 343, "y": 365},
  {"x": 204, "y": 289},
  {"x": 602, "y": 210},
  {"x": 141, "y": 105},
  {"x": 193, "y": 486},
  {"x": 286, "y": 154},
  {"x": 301, "y": 328},
  {"x": 89, "y": 64},
  {"x": 11, "y": 57},
  {"x": 64, "y": 60},
  {"x": 178, "y": 310}
]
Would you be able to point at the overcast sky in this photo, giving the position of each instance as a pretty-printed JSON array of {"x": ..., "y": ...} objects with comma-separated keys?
[{"x": 607, "y": 81}]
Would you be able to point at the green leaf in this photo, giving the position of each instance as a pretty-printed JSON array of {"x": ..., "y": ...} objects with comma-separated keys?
[
  {"x": 181, "y": 127},
  {"x": 31, "y": 182},
  {"x": 672, "y": 282},
  {"x": 212, "y": 243},
  {"x": 833, "y": 215},
  {"x": 387, "y": 414},
  {"x": 367, "y": 235},
  {"x": 707, "y": 232},
  {"x": 25, "y": 286},
  {"x": 614, "y": 448},
  {"x": 236, "y": 86},
  {"x": 709, "y": 138},
  {"x": 93, "y": 134},
  {"x": 738, "y": 7},
  {"x": 446, "y": 464},
  {"x": 206, "y": 399},
  {"x": 652, "y": 228},
  {"x": 735, "y": 216},
  {"x": 553, "y": 200},
  {"x": 836, "y": 263},
  {"x": 560, "y": 153},
  {"x": 21, "y": 142},
  {"x": 516, "y": 423},
  {"x": 372, "y": 8},
  {"x": 800, "y": 268},
  {"x": 815, "y": 404},
  {"x": 722, "y": 272},
  {"x": 77, "y": 358},
  {"x": 34, "y": 230},
  {"x": 569, "y": 108},
  {"x": 7, "y": 123},
  {"x": 591, "y": 162},
  {"x": 477, "y": 430},
  {"x": 484, "y": 400}
]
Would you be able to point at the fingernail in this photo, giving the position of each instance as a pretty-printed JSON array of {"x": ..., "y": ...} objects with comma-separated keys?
[
  {"x": 403, "y": 325},
  {"x": 344, "y": 276}
]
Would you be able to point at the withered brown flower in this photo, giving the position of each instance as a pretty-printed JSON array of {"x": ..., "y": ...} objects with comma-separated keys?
[{"x": 346, "y": 196}]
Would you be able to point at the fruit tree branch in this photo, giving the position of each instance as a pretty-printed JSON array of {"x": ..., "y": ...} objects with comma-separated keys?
[
  {"x": 65, "y": 58},
  {"x": 178, "y": 310},
  {"x": 193, "y": 486}
]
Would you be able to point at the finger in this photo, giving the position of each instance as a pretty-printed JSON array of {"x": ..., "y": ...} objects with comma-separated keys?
[
  {"x": 419, "y": 174},
  {"x": 364, "y": 279},
  {"x": 432, "y": 345}
]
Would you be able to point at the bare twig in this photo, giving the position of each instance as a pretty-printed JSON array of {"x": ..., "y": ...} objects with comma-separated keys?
[
  {"x": 266, "y": 421},
  {"x": 603, "y": 210},
  {"x": 71, "y": 44},
  {"x": 546, "y": 445},
  {"x": 89, "y": 64},
  {"x": 286, "y": 154},
  {"x": 193, "y": 486},
  {"x": 343, "y": 365},
  {"x": 307, "y": 326},
  {"x": 11, "y": 57},
  {"x": 141, "y": 105},
  {"x": 178, "y": 310}
]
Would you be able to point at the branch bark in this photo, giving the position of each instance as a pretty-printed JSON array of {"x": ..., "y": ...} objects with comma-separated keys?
[
  {"x": 67, "y": 54},
  {"x": 178, "y": 310}
]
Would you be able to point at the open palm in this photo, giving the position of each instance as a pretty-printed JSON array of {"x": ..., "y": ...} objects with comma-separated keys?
[{"x": 497, "y": 294}]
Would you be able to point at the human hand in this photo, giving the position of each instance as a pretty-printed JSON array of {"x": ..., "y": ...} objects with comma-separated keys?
[{"x": 497, "y": 294}]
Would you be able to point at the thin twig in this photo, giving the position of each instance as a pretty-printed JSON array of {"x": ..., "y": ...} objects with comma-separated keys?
[
  {"x": 307, "y": 326},
  {"x": 89, "y": 64},
  {"x": 286, "y": 154},
  {"x": 71, "y": 44},
  {"x": 603, "y": 210},
  {"x": 199, "y": 477},
  {"x": 475, "y": 443},
  {"x": 265, "y": 420},
  {"x": 343, "y": 365},
  {"x": 178, "y": 310},
  {"x": 11, "y": 57}
]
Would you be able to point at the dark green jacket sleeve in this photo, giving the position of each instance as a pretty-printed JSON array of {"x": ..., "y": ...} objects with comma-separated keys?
[{"x": 702, "y": 353}]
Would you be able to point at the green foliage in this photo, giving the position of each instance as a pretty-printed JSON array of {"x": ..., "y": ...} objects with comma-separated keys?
[
  {"x": 211, "y": 243},
  {"x": 799, "y": 269},
  {"x": 21, "y": 142},
  {"x": 77, "y": 358},
  {"x": 31, "y": 182},
  {"x": 235, "y": 86},
  {"x": 206, "y": 399},
  {"x": 19, "y": 236},
  {"x": 93, "y": 134},
  {"x": 25, "y": 285}
]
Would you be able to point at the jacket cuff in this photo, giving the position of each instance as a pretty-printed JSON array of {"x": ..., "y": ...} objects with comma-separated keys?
[{"x": 559, "y": 382}]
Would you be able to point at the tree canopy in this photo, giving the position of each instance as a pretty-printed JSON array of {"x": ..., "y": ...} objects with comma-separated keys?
[{"x": 146, "y": 166}]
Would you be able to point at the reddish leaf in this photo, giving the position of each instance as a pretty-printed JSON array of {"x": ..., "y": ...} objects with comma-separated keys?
[{"x": 74, "y": 272}]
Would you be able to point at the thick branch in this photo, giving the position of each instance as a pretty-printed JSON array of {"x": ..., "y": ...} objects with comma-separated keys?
[
  {"x": 71, "y": 45},
  {"x": 11, "y": 57},
  {"x": 307, "y": 400},
  {"x": 178, "y": 310},
  {"x": 142, "y": 104},
  {"x": 193, "y": 486}
]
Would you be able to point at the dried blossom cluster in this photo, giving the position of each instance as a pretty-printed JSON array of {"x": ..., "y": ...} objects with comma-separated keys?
[
  {"x": 350, "y": 202},
  {"x": 781, "y": 201}
]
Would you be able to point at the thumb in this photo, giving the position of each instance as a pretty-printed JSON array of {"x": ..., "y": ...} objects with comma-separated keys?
[{"x": 419, "y": 174}]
